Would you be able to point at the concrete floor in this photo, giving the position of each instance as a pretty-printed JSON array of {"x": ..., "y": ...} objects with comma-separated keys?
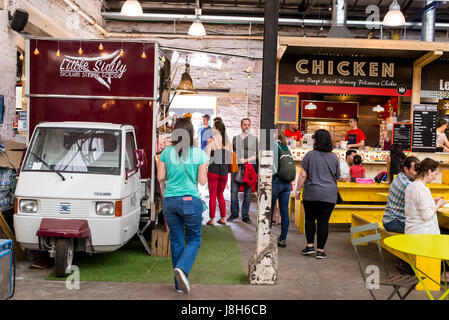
[{"x": 300, "y": 277}]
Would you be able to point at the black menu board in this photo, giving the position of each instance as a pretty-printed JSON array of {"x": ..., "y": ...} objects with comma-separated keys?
[
  {"x": 287, "y": 111},
  {"x": 424, "y": 127},
  {"x": 402, "y": 135}
]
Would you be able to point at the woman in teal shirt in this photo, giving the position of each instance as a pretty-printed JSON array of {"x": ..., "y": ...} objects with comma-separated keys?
[{"x": 183, "y": 166}]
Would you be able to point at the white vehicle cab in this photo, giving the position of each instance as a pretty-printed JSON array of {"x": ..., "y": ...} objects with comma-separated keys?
[{"x": 79, "y": 190}]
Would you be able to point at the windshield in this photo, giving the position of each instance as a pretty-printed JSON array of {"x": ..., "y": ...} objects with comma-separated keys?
[{"x": 74, "y": 150}]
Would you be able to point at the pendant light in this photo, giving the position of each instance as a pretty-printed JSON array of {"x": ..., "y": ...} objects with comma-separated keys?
[
  {"x": 378, "y": 108},
  {"x": 394, "y": 17},
  {"x": 310, "y": 106},
  {"x": 197, "y": 28},
  {"x": 131, "y": 8},
  {"x": 186, "y": 83}
]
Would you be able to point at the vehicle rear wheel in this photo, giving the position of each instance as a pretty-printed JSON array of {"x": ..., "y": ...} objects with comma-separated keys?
[{"x": 63, "y": 256}]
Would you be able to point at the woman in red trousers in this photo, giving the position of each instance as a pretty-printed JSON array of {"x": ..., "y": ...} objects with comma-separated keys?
[{"x": 219, "y": 151}]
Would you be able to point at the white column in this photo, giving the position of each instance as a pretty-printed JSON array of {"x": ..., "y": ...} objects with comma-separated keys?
[{"x": 263, "y": 266}]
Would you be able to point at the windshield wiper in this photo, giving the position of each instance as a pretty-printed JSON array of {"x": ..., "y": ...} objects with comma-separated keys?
[{"x": 48, "y": 166}]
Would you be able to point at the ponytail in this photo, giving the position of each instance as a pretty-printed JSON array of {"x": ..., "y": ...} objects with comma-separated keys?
[{"x": 424, "y": 166}]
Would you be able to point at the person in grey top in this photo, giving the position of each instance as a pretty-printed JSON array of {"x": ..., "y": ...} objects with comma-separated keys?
[
  {"x": 319, "y": 175},
  {"x": 245, "y": 145}
]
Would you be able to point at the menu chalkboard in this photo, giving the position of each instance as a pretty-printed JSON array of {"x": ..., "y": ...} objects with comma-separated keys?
[
  {"x": 287, "y": 109},
  {"x": 424, "y": 127},
  {"x": 402, "y": 135}
]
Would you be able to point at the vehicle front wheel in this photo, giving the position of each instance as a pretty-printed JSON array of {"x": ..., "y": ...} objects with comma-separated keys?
[{"x": 63, "y": 256}]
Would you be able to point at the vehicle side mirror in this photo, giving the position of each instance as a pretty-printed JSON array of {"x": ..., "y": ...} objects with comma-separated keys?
[{"x": 141, "y": 158}]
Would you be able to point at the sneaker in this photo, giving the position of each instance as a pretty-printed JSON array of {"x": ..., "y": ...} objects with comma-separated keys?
[
  {"x": 282, "y": 243},
  {"x": 308, "y": 250},
  {"x": 231, "y": 217},
  {"x": 246, "y": 220},
  {"x": 182, "y": 280},
  {"x": 321, "y": 255}
]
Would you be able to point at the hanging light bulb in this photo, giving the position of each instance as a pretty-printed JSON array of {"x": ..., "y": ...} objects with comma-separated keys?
[
  {"x": 197, "y": 28},
  {"x": 100, "y": 47},
  {"x": 394, "y": 17},
  {"x": 22, "y": 78},
  {"x": 144, "y": 55},
  {"x": 230, "y": 80},
  {"x": 213, "y": 81},
  {"x": 122, "y": 53},
  {"x": 80, "y": 50},
  {"x": 131, "y": 8},
  {"x": 36, "y": 50},
  {"x": 21, "y": 57},
  {"x": 58, "y": 53}
]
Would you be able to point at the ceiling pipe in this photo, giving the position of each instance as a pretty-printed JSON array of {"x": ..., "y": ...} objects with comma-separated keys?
[
  {"x": 88, "y": 18},
  {"x": 428, "y": 23},
  {"x": 339, "y": 17},
  {"x": 154, "y": 17}
]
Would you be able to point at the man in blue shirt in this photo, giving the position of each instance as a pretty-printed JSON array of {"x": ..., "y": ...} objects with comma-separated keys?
[{"x": 204, "y": 132}]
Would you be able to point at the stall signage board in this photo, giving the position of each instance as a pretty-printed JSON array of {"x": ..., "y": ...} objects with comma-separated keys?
[
  {"x": 337, "y": 74},
  {"x": 435, "y": 81},
  {"x": 424, "y": 127},
  {"x": 94, "y": 72},
  {"x": 287, "y": 109},
  {"x": 402, "y": 135}
]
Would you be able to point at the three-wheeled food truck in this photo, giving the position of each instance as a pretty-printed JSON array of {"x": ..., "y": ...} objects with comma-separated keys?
[{"x": 85, "y": 183}]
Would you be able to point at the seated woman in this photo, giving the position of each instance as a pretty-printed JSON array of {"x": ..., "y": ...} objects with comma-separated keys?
[
  {"x": 420, "y": 208},
  {"x": 394, "y": 217}
]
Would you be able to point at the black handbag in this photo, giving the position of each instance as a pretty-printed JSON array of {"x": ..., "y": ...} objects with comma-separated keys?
[{"x": 240, "y": 174}]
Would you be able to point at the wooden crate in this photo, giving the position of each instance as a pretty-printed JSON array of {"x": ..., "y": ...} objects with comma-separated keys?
[{"x": 160, "y": 242}]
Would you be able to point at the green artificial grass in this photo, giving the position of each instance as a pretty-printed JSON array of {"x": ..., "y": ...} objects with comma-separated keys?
[{"x": 218, "y": 262}]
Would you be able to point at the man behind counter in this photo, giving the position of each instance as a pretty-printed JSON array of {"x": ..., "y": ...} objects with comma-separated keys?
[
  {"x": 294, "y": 132},
  {"x": 355, "y": 137}
]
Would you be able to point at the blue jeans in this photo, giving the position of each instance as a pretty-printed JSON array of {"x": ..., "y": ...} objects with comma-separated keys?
[
  {"x": 180, "y": 212},
  {"x": 281, "y": 191},
  {"x": 235, "y": 198},
  {"x": 395, "y": 226}
]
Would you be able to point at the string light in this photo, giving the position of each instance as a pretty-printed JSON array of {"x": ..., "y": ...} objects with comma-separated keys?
[
  {"x": 230, "y": 80},
  {"x": 100, "y": 47},
  {"x": 213, "y": 81},
  {"x": 80, "y": 50},
  {"x": 21, "y": 56},
  {"x": 36, "y": 50},
  {"x": 58, "y": 53},
  {"x": 205, "y": 73},
  {"x": 122, "y": 53},
  {"x": 144, "y": 56}
]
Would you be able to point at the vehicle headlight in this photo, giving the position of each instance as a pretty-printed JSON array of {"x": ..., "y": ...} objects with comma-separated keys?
[
  {"x": 105, "y": 208},
  {"x": 28, "y": 206}
]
